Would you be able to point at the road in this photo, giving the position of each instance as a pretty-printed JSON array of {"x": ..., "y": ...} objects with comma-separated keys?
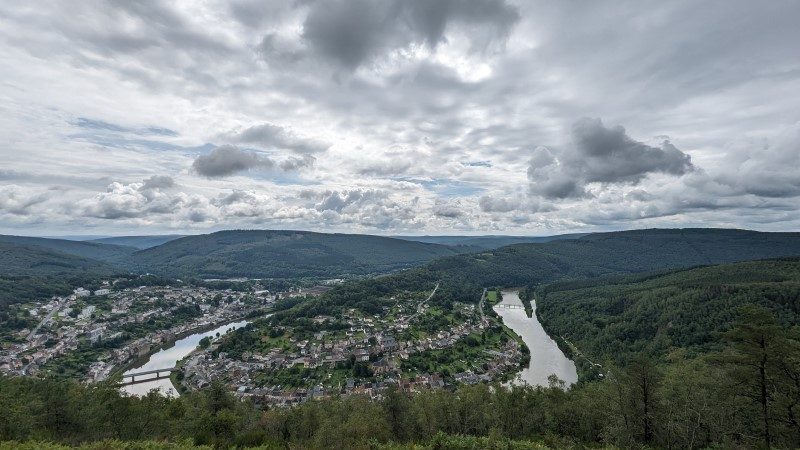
[
  {"x": 480, "y": 304},
  {"x": 422, "y": 304},
  {"x": 49, "y": 316}
]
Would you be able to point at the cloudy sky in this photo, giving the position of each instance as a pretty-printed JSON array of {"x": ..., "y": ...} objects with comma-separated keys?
[{"x": 391, "y": 116}]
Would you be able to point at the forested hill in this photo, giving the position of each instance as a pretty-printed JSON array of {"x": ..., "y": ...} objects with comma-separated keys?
[
  {"x": 138, "y": 242},
  {"x": 284, "y": 254},
  {"x": 23, "y": 260},
  {"x": 659, "y": 314},
  {"x": 612, "y": 253},
  {"x": 91, "y": 250},
  {"x": 479, "y": 243}
]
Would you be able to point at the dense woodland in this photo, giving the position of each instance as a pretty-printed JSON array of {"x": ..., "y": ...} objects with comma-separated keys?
[
  {"x": 284, "y": 254},
  {"x": 669, "y": 315},
  {"x": 745, "y": 395}
]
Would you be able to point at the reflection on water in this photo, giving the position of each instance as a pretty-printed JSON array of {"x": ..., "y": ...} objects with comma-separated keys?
[
  {"x": 168, "y": 357},
  {"x": 546, "y": 357}
]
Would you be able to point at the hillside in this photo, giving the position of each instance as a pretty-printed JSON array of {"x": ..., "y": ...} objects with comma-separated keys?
[
  {"x": 19, "y": 259},
  {"x": 612, "y": 253},
  {"x": 658, "y": 314},
  {"x": 488, "y": 242},
  {"x": 138, "y": 242},
  {"x": 89, "y": 250},
  {"x": 284, "y": 254},
  {"x": 463, "y": 276}
]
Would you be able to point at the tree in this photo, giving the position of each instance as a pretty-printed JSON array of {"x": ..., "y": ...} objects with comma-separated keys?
[
  {"x": 205, "y": 342},
  {"x": 634, "y": 394},
  {"x": 753, "y": 358}
]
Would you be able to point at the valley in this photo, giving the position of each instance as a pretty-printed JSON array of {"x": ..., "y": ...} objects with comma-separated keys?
[{"x": 595, "y": 317}]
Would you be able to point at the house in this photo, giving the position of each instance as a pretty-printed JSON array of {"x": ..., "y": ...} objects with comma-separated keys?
[
  {"x": 95, "y": 335},
  {"x": 385, "y": 365}
]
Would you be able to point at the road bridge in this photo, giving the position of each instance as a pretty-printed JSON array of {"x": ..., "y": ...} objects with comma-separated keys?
[
  {"x": 507, "y": 306},
  {"x": 159, "y": 373}
]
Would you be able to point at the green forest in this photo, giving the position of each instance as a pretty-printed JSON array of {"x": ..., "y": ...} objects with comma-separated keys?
[{"x": 665, "y": 316}]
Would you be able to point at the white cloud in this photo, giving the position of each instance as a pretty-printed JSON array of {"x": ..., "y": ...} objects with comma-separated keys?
[{"x": 388, "y": 116}]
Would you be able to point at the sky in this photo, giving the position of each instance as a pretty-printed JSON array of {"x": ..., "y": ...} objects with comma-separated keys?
[{"x": 398, "y": 117}]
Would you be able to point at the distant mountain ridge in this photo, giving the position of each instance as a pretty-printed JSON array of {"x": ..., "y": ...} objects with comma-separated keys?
[
  {"x": 91, "y": 250},
  {"x": 283, "y": 254},
  {"x": 599, "y": 254},
  {"x": 297, "y": 254},
  {"x": 489, "y": 241},
  {"x": 139, "y": 242}
]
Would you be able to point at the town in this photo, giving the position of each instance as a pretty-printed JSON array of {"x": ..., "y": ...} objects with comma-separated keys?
[
  {"x": 94, "y": 333},
  {"x": 361, "y": 354},
  {"x": 412, "y": 343}
]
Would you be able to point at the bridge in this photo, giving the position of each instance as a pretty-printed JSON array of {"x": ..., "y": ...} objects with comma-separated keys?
[
  {"x": 159, "y": 373},
  {"x": 508, "y": 306}
]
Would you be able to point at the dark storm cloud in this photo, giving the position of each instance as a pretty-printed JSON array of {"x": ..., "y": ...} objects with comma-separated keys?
[
  {"x": 352, "y": 32},
  {"x": 273, "y": 136},
  {"x": 227, "y": 160},
  {"x": 604, "y": 155}
]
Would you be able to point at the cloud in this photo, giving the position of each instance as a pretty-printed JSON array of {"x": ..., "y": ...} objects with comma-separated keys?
[
  {"x": 271, "y": 136},
  {"x": 609, "y": 155},
  {"x": 294, "y": 163},
  {"x": 448, "y": 209},
  {"x": 227, "y": 160},
  {"x": 19, "y": 201},
  {"x": 106, "y": 127},
  {"x": 600, "y": 155},
  {"x": 158, "y": 182},
  {"x": 766, "y": 167},
  {"x": 374, "y": 208},
  {"x": 494, "y": 204},
  {"x": 353, "y": 32},
  {"x": 424, "y": 102}
]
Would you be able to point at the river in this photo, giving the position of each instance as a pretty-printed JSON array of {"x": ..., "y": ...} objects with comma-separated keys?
[
  {"x": 546, "y": 357},
  {"x": 168, "y": 357}
]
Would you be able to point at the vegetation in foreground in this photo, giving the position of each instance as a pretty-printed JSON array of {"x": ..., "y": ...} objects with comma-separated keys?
[{"x": 746, "y": 395}]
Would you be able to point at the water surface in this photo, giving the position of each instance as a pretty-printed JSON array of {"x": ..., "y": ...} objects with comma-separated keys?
[
  {"x": 546, "y": 357},
  {"x": 168, "y": 357}
]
